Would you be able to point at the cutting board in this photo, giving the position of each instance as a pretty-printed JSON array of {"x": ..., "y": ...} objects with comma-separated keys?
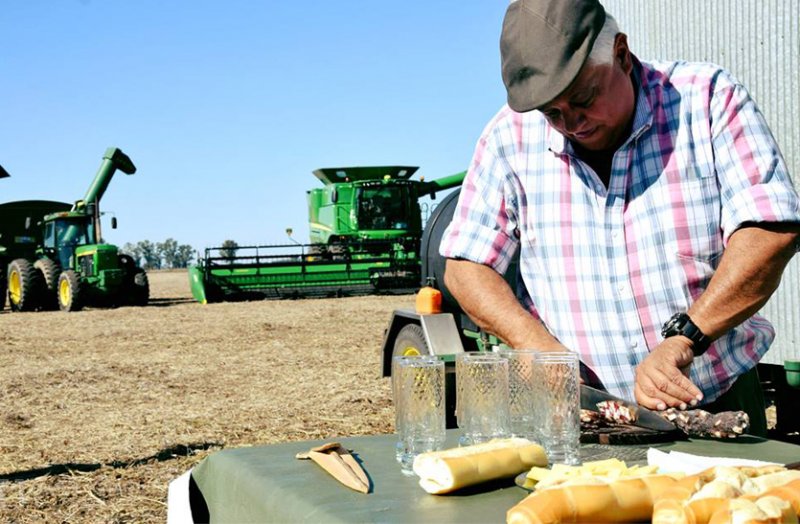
[{"x": 628, "y": 435}]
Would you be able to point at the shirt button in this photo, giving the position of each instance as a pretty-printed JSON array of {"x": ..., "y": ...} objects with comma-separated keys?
[
  {"x": 615, "y": 234},
  {"x": 621, "y": 288},
  {"x": 634, "y": 344}
]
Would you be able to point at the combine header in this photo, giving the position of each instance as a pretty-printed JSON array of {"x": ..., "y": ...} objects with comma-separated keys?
[{"x": 365, "y": 228}]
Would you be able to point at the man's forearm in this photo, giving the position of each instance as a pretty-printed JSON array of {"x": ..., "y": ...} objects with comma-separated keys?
[
  {"x": 489, "y": 301},
  {"x": 748, "y": 274}
]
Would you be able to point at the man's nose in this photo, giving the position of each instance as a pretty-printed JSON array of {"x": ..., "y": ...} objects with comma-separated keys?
[{"x": 573, "y": 120}]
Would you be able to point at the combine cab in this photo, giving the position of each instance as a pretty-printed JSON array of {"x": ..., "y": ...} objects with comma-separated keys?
[{"x": 365, "y": 227}]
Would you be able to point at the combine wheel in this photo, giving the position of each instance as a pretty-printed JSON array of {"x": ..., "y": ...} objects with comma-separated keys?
[
  {"x": 70, "y": 291},
  {"x": 140, "y": 292},
  {"x": 24, "y": 283},
  {"x": 410, "y": 341},
  {"x": 48, "y": 272}
]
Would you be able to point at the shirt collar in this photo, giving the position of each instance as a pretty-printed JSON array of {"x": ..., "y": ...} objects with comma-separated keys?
[{"x": 643, "y": 114}]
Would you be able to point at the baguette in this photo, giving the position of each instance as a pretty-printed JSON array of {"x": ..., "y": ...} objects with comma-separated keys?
[
  {"x": 789, "y": 492},
  {"x": 451, "y": 469},
  {"x": 764, "y": 510},
  {"x": 707, "y": 496},
  {"x": 592, "y": 500}
]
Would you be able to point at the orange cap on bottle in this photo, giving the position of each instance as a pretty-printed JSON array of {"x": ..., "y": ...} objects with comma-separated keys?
[{"x": 429, "y": 300}]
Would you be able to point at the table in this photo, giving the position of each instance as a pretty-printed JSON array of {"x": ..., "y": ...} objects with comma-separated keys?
[{"x": 267, "y": 484}]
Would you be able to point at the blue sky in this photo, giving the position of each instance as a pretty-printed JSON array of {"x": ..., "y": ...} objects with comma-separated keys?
[{"x": 227, "y": 106}]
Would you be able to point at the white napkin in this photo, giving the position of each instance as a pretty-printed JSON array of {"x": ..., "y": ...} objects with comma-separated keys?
[{"x": 676, "y": 461}]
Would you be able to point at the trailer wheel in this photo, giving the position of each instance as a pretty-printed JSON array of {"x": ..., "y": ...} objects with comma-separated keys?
[
  {"x": 410, "y": 341},
  {"x": 24, "y": 284},
  {"x": 70, "y": 291},
  {"x": 140, "y": 293},
  {"x": 3, "y": 289},
  {"x": 49, "y": 271}
]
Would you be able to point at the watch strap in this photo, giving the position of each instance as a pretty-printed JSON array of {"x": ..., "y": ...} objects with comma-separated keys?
[{"x": 682, "y": 324}]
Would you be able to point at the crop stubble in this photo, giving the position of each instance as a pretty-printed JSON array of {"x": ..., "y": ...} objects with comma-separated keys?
[{"x": 100, "y": 409}]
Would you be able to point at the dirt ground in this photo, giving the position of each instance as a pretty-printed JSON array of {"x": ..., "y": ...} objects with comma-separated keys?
[{"x": 100, "y": 409}]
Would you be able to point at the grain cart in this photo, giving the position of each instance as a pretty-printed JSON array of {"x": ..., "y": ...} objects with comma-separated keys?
[
  {"x": 3, "y": 174},
  {"x": 18, "y": 239},
  {"x": 72, "y": 266},
  {"x": 365, "y": 226}
]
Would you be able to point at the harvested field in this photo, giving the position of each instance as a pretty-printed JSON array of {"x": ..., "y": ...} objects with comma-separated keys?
[{"x": 102, "y": 408}]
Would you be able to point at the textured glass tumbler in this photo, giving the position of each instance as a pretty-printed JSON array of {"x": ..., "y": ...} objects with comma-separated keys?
[
  {"x": 522, "y": 392},
  {"x": 557, "y": 375},
  {"x": 418, "y": 388},
  {"x": 482, "y": 389}
]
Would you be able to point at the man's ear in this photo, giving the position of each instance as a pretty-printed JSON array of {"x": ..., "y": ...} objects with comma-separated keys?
[{"x": 622, "y": 55}]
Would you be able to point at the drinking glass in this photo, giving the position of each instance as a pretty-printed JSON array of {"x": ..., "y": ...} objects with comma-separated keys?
[
  {"x": 482, "y": 397},
  {"x": 418, "y": 388},
  {"x": 522, "y": 393},
  {"x": 557, "y": 376}
]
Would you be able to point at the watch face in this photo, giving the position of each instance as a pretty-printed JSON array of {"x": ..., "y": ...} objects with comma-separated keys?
[{"x": 673, "y": 326}]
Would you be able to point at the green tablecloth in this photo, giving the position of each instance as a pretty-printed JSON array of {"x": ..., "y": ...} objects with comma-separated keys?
[{"x": 267, "y": 484}]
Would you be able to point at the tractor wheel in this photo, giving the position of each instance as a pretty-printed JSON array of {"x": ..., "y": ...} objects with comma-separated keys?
[
  {"x": 24, "y": 285},
  {"x": 70, "y": 291},
  {"x": 49, "y": 271},
  {"x": 410, "y": 341},
  {"x": 140, "y": 291},
  {"x": 127, "y": 264}
]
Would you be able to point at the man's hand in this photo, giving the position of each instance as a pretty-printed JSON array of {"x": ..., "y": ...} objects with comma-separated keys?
[{"x": 662, "y": 377}]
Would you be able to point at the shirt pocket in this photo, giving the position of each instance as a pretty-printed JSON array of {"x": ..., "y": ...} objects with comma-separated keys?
[
  {"x": 689, "y": 214},
  {"x": 698, "y": 220}
]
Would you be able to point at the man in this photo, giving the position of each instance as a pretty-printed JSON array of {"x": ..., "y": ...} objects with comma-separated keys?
[{"x": 650, "y": 205}]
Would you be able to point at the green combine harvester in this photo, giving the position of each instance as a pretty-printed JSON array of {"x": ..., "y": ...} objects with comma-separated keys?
[
  {"x": 53, "y": 254},
  {"x": 365, "y": 228}
]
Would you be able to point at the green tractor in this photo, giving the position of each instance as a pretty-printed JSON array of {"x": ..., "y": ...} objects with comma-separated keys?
[
  {"x": 365, "y": 226},
  {"x": 72, "y": 267}
]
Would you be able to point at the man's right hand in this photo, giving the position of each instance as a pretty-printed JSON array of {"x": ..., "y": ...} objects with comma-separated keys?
[{"x": 662, "y": 377}]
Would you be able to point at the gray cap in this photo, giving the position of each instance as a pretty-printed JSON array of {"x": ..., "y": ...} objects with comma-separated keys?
[{"x": 543, "y": 47}]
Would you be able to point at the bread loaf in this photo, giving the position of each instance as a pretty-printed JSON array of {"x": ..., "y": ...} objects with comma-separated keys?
[
  {"x": 764, "y": 510},
  {"x": 448, "y": 470},
  {"x": 728, "y": 494},
  {"x": 592, "y": 500},
  {"x": 720, "y": 495}
]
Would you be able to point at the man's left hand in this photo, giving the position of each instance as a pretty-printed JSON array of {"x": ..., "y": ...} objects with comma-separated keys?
[{"x": 661, "y": 378}]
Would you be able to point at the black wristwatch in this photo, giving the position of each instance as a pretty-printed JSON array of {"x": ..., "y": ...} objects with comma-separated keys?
[{"x": 681, "y": 324}]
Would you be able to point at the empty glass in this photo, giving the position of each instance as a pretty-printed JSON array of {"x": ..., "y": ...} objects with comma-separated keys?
[
  {"x": 418, "y": 389},
  {"x": 558, "y": 405},
  {"x": 522, "y": 392},
  {"x": 482, "y": 397}
]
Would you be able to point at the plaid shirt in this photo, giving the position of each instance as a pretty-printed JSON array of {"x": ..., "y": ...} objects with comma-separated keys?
[{"x": 604, "y": 268}]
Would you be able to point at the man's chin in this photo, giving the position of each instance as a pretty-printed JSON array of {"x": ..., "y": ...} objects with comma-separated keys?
[{"x": 596, "y": 142}]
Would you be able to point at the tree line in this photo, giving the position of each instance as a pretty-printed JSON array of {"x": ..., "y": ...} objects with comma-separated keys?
[{"x": 160, "y": 255}]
